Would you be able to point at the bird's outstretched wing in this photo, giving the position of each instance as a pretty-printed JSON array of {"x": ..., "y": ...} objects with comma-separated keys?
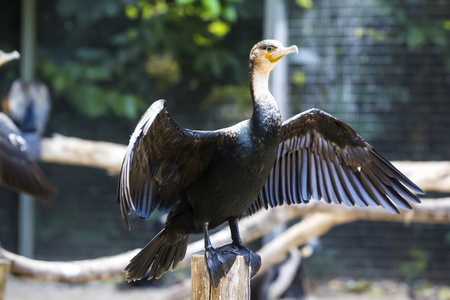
[
  {"x": 321, "y": 157},
  {"x": 161, "y": 160},
  {"x": 17, "y": 170}
]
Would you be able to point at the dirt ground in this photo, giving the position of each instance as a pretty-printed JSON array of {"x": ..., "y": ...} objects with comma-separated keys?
[{"x": 336, "y": 289}]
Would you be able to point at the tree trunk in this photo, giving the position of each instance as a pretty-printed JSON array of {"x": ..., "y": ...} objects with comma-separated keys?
[{"x": 235, "y": 285}]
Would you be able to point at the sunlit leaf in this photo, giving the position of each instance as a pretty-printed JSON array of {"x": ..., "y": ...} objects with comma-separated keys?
[
  {"x": 446, "y": 24},
  {"x": 306, "y": 4},
  {"x": 201, "y": 40},
  {"x": 131, "y": 12},
  {"x": 299, "y": 78},
  {"x": 219, "y": 28},
  {"x": 184, "y": 2}
]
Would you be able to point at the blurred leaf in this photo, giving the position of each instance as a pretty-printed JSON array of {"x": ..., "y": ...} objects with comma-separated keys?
[
  {"x": 201, "y": 40},
  {"x": 219, "y": 28},
  {"x": 86, "y": 53},
  {"x": 131, "y": 12},
  {"x": 126, "y": 105},
  {"x": 212, "y": 7},
  {"x": 306, "y": 4},
  {"x": 416, "y": 267},
  {"x": 89, "y": 100},
  {"x": 125, "y": 37},
  {"x": 184, "y": 2},
  {"x": 439, "y": 38},
  {"x": 229, "y": 13},
  {"x": 415, "y": 37},
  {"x": 299, "y": 78},
  {"x": 446, "y": 24}
]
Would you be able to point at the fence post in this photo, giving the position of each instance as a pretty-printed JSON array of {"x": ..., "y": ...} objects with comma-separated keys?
[
  {"x": 236, "y": 285},
  {"x": 4, "y": 272}
]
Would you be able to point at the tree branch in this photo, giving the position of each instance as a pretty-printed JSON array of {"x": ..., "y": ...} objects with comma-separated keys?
[
  {"x": 428, "y": 175},
  {"x": 60, "y": 149},
  {"x": 321, "y": 217},
  {"x": 71, "y": 271}
]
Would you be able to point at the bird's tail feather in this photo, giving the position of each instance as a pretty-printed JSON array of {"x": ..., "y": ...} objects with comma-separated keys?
[{"x": 163, "y": 252}]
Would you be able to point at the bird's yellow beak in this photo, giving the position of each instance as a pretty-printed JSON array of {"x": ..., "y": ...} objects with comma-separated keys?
[{"x": 279, "y": 53}]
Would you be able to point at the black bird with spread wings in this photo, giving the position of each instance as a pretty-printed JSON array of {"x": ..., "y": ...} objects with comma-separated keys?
[{"x": 206, "y": 178}]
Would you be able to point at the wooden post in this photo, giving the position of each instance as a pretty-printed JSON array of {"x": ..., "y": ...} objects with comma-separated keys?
[
  {"x": 4, "y": 272},
  {"x": 236, "y": 285}
]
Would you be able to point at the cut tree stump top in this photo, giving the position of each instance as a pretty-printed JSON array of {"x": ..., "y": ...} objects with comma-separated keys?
[{"x": 235, "y": 285}]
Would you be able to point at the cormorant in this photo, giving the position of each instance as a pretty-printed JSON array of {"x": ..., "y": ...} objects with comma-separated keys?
[
  {"x": 206, "y": 178},
  {"x": 28, "y": 104},
  {"x": 18, "y": 171}
]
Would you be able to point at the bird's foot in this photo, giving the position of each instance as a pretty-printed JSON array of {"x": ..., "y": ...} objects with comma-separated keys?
[
  {"x": 252, "y": 259},
  {"x": 219, "y": 263}
]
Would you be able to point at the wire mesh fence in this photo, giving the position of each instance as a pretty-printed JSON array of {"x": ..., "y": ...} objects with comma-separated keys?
[{"x": 383, "y": 67}]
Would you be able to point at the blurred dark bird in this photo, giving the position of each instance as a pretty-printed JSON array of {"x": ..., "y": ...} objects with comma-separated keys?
[
  {"x": 206, "y": 178},
  {"x": 28, "y": 104},
  {"x": 285, "y": 280},
  {"x": 18, "y": 171}
]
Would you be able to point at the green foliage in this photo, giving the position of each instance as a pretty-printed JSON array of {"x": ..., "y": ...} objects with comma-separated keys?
[
  {"x": 299, "y": 78},
  {"x": 82, "y": 86},
  {"x": 372, "y": 33},
  {"x": 149, "y": 49},
  {"x": 306, "y": 4},
  {"x": 415, "y": 268},
  {"x": 419, "y": 26},
  {"x": 228, "y": 104}
]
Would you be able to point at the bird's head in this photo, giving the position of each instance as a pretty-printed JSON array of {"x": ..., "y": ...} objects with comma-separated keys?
[{"x": 266, "y": 54}]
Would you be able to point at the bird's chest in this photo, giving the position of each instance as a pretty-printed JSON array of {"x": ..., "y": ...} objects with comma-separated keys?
[{"x": 233, "y": 181}]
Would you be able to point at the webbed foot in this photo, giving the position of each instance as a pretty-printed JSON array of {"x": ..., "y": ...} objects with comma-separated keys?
[
  {"x": 219, "y": 263},
  {"x": 252, "y": 259}
]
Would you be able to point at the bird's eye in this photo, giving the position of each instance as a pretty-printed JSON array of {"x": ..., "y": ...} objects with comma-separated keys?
[{"x": 269, "y": 49}]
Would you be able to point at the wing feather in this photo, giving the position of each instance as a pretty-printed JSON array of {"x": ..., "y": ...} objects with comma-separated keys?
[
  {"x": 312, "y": 176},
  {"x": 323, "y": 158},
  {"x": 161, "y": 160}
]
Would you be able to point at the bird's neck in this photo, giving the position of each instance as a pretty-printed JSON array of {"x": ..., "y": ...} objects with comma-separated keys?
[{"x": 266, "y": 114}]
